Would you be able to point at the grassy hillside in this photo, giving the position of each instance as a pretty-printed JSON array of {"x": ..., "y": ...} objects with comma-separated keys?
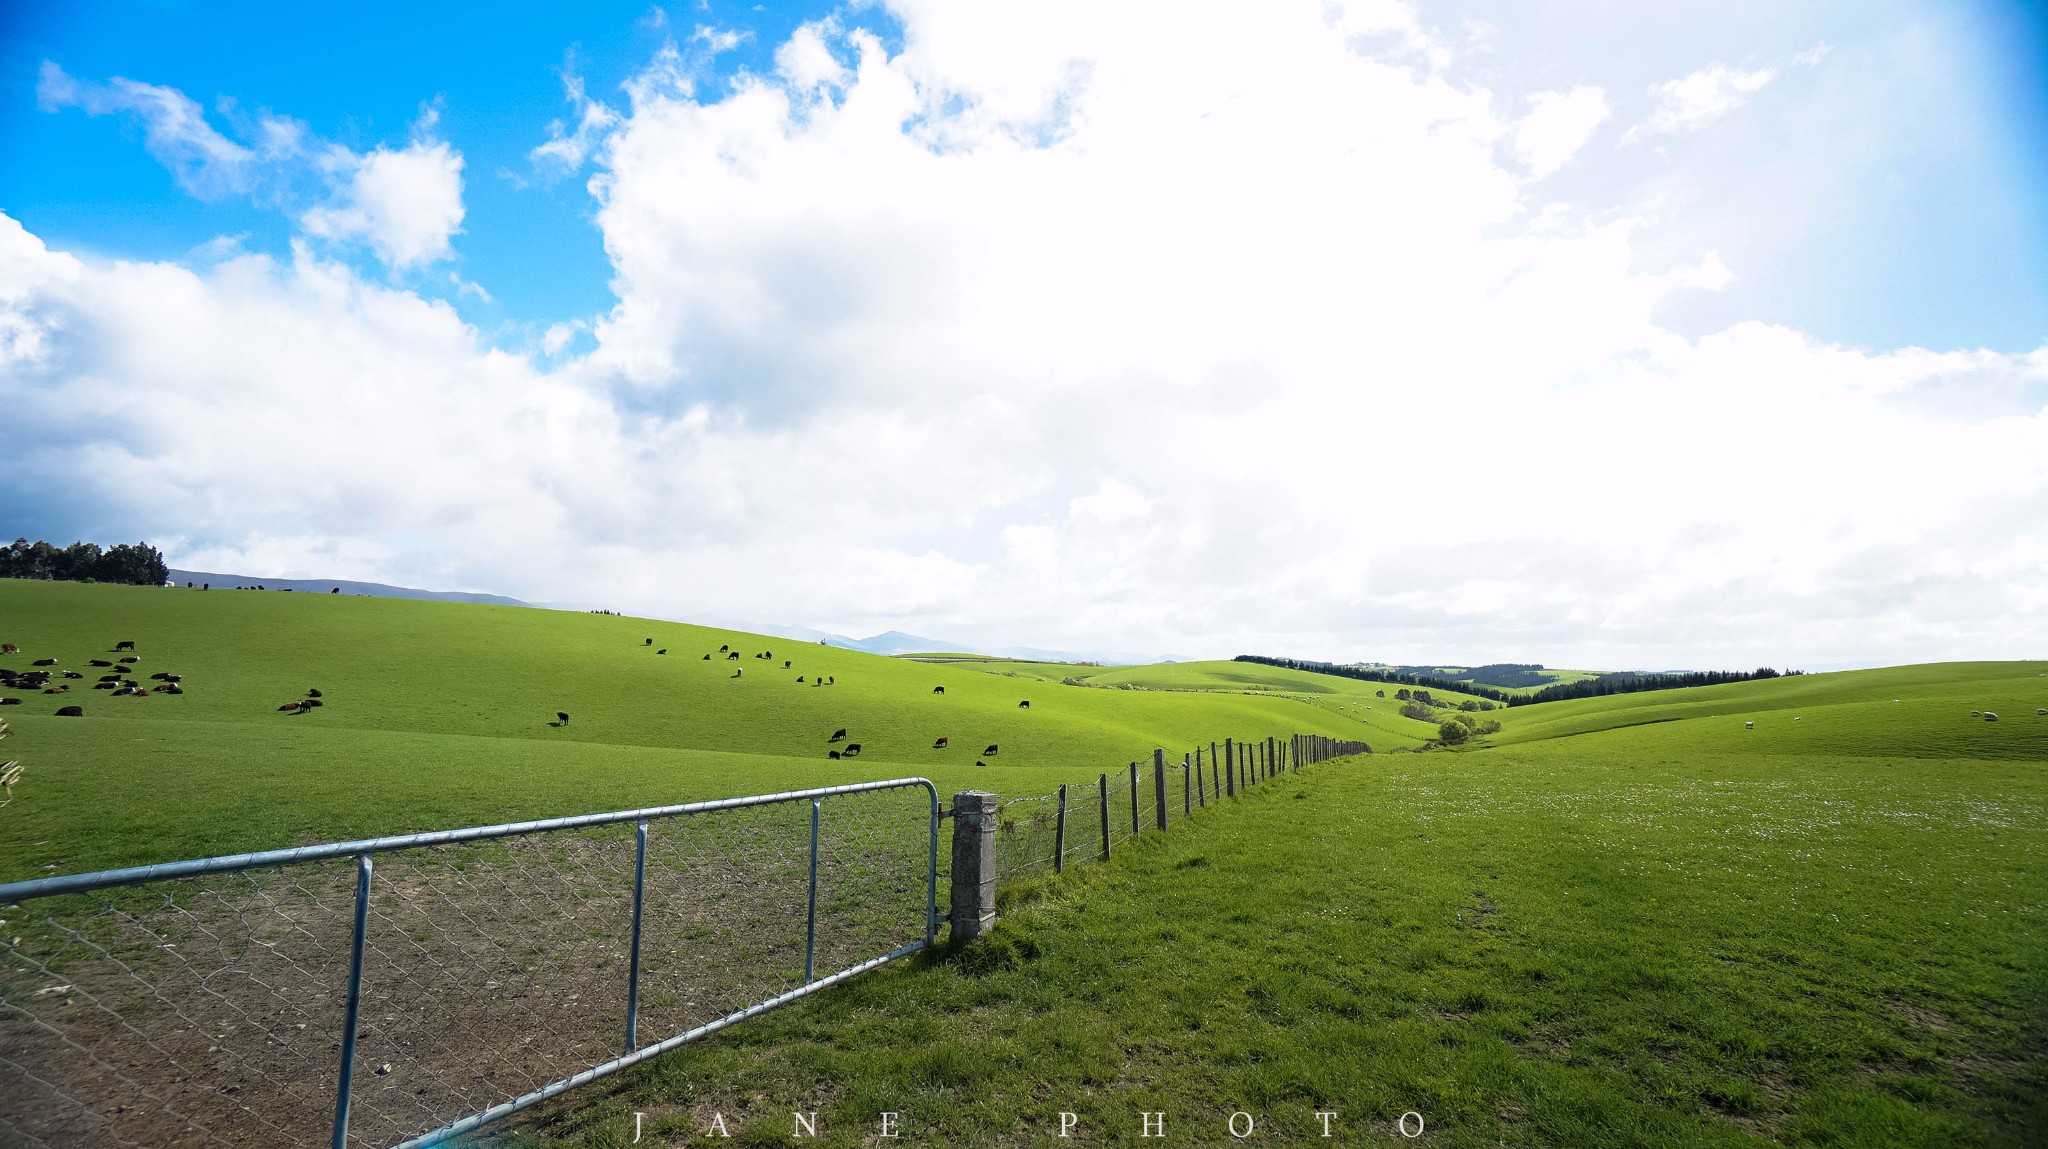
[
  {"x": 440, "y": 714},
  {"x": 1615, "y": 939}
]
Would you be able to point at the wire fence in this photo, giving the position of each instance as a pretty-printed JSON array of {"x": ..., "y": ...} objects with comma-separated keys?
[
  {"x": 485, "y": 970},
  {"x": 1086, "y": 822}
]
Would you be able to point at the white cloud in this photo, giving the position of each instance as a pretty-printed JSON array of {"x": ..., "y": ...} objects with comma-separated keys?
[
  {"x": 1080, "y": 327},
  {"x": 406, "y": 205},
  {"x": 205, "y": 163},
  {"x": 1693, "y": 102},
  {"x": 1557, "y": 126},
  {"x": 567, "y": 149}
]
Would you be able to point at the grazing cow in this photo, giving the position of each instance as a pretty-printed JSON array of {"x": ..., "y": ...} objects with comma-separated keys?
[
  {"x": 71, "y": 712},
  {"x": 837, "y": 734},
  {"x": 310, "y": 703},
  {"x": 663, "y": 650},
  {"x": 650, "y": 642},
  {"x": 1024, "y": 705},
  {"x": 562, "y": 717},
  {"x": 991, "y": 751},
  {"x": 128, "y": 644},
  {"x": 939, "y": 743},
  {"x": 1749, "y": 726},
  {"x": 938, "y": 690},
  {"x": 707, "y": 658},
  {"x": 46, "y": 662},
  {"x": 291, "y": 706},
  {"x": 131, "y": 660},
  {"x": 785, "y": 664},
  {"x": 311, "y": 693},
  {"x": 722, "y": 648},
  {"x": 832, "y": 754},
  {"x": 336, "y": 590},
  {"x": 738, "y": 670},
  {"x": 831, "y": 680},
  {"x": 851, "y": 749},
  {"x": 730, "y": 655},
  {"x": 1990, "y": 717},
  {"x": 979, "y": 762},
  {"x": 799, "y": 678},
  {"x": 9, "y": 648},
  {"x": 97, "y": 662}
]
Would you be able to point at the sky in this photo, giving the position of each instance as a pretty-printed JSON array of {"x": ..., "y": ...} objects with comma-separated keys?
[{"x": 1611, "y": 335}]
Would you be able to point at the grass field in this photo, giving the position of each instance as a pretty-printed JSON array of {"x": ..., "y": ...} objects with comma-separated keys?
[
  {"x": 1617, "y": 922},
  {"x": 1629, "y": 937},
  {"x": 439, "y": 714}
]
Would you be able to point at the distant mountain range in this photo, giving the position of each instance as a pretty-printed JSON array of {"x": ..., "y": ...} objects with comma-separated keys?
[{"x": 327, "y": 586}]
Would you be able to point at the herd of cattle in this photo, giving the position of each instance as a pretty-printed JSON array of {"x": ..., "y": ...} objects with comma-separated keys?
[
  {"x": 46, "y": 677},
  {"x": 848, "y": 749}
]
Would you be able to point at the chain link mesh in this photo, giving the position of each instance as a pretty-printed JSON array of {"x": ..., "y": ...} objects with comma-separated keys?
[{"x": 209, "y": 1010}]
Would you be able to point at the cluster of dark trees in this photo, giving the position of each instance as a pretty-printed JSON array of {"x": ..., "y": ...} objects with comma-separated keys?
[
  {"x": 1511, "y": 675},
  {"x": 1621, "y": 682},
  {"x": 140, "y": 564},
  {"x": 1380, "y": 674},
  {"x": 1633, "y": 681}
]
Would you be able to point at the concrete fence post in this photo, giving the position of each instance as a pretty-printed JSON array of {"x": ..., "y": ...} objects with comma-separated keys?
[{"x": 975, "y": 813}]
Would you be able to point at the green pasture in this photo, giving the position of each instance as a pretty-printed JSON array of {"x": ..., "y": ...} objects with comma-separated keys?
[
  {"x": 441, "y": 714},
  {"x": 1659, "y": 934}
]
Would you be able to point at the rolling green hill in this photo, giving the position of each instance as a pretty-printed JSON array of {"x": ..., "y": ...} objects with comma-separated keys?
[{"x": 437, "y": 714}]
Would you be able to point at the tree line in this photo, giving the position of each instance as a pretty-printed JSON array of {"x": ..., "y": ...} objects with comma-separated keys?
[
  {"x": 1632, "y": 681},
  {"x": 1378, "y": 674},
  {"x": 1618, "y": 682},
  {"x": 138, "y": 565}
]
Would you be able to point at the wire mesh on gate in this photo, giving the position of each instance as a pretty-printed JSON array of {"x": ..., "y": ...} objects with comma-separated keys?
[{"x": 209, "y": 1009}]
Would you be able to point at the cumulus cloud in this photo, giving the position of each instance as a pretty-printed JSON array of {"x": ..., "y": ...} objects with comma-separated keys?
[
  {"x": 1692, "y": 102},
  {"x": 406, "y": 204},
  {"x": 1084, "y": 328},
  {"x": 1557, "y": 126}
]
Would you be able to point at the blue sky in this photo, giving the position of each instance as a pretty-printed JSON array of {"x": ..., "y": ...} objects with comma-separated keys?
[
  {"x": 1939, "y": 244},
  {"x": 916, "y": 315}
]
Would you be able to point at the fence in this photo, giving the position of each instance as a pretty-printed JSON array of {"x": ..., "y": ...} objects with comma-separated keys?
[
  {"x": 1076, "y": 823},
  {"x": 403, "y": 990}
]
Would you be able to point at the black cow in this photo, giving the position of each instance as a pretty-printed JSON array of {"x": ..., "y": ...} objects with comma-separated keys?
[
  {"x": 171, "y": 688},
  {"x": 852, "y": 748},
  {"x": 98, "y": 662},
  {"x": 707, "y": 658},
  {"x": 991, "y": 751},
  {"x": 799, "y": 678},
  {"x": 131, "y": 660},
  {"x": 102, "y": 686},
  {"x": 73, "y": 674},
  {"x": 832, "y": 680},
  {"x": 310, "y": 703},
  {"x": 336, "y": 590},
  {"x": 979, "y": 762},
  {"x": 562, "y": 717},
  {"x": 10, "y": 702},
  {"x": 650, "y": 642},
  {"x": 71, "y": 712},
  {"x": 832, "y": 754},
  {"x": 111, "y": 678},
  {"x": 46, "y": 662},
  {"x": 125, "y": 645},
  {"x": 938, "y": 690},
  {"x": 940, "y": 743},
  {"x": 663, "y": 650},
  {"x": 160, "y": 676},
  {"x": 313, "y": 692},
  {"x": 731, "y": 654},
  {"x": 837, "y": 734},
  {"x": 722, "y": 648},
  {"x": 1025, "y": 705},
  {"x": 785, "y": 664}
]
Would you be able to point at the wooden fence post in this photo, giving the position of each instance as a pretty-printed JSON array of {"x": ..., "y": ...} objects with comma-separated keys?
[
  {"x": 1187, "y": 784},
  {"x": 1105, "y": 816},
  {"x": 1135, "y": 831},
  {"x": 1059, "y": 835},
  {"x": 1159, "y": 786},
  {"x": 1201, "y": 795},
  {"x": 1230, "y": 766}
]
